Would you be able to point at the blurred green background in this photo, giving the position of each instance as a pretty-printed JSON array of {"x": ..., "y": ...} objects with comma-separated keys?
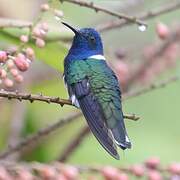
[{"x": 157, "y": 133}]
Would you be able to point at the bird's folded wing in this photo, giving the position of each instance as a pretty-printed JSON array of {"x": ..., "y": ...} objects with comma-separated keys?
[{"x": 94, "y": 116}]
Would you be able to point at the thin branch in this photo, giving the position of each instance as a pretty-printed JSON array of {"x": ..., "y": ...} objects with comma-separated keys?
[
  {"x": 103, "y": 27},
  {"x": 41, "y": 133},
  {"x": 131, "y": 117},
  {"x": 151, "y": 87},
  {"x": 38, "y": 170},
  {"x": 74, "y": 144},
  {"x": 145, "y": 16},
  {"x": 56, "y": 100},
  {"x": 32, "y": 97},
  {"x": 91, "y": 5},
  {"x": 6, "y": 23}
]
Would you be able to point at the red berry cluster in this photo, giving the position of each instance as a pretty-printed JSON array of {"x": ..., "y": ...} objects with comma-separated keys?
[
  {"x": 38, "y": 171},
  {"x": 12, "y": 66},
  {"x": 60, "y": 172},
  {"x": 41, "y": 29},
  {"x": 151, "y": 169},
  {"x": 112, "y": 173},
  {"x": 39, "y": 32}
]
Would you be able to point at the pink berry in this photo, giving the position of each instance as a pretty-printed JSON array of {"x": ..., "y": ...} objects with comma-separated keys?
[
  {"x": 14, "y": 72},
  {"x": 19, "y": 78},
  {"x": 138, "y": 170},
  {"x": 40, "y": 43},
  {"x": 152, "y": 162},
  {"x": 174, "y": 168},
  {"x": 3, "y": 56},
  {"x": 60, "y": 177},
  {"x": 10, "y": 64},
  {"x": 21, "y": 63},
  {"x": 70, "y": 172},
  {"x": 109, "y": 173},
  {"x": 154, "y": 175},
  {"x": 8, "y": 83},
  {"x": 3, "y": 74},
  {"x": 36, "y": 32},
  {"x": 24, "y": 38},
  {"x": 122, "y": 176},
  {"x": 30, "y": 53},
  {"x": 162, "y": 30},
  {"x": 44, "y": 7},
  {"x": 39, "y": 32},
  {"x": 47, "y": 172},
  {"x": 43, "y": 33},
  {"x": 45, "y": 26},
  {"x": 23, "y": 174}
]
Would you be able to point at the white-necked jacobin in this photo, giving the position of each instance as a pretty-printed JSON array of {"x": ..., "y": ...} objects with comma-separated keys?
[{"x": 94, "y": 88}]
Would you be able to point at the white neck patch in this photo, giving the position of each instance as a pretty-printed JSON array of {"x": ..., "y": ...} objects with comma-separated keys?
[{"x": 98, "y": 57}]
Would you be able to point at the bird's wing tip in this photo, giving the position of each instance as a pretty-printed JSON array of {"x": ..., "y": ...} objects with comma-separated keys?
[{"x": 117, "y": 157}]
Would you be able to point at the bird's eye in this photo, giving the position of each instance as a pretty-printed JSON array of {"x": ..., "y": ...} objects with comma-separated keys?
[{"x": 92, "y": 39}]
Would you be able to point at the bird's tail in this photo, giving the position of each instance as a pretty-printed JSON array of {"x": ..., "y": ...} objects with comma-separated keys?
[{"x": 120, "y": 134}]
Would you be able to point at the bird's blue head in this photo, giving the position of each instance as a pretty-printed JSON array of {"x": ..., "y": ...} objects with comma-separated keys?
[{"x": 87, "y": 42}]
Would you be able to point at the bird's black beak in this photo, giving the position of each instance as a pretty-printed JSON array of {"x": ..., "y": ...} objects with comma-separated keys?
[{"x": 72, "y": 28}]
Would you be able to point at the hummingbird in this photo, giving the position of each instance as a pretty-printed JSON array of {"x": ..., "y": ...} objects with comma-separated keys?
[{"x": 94, "y": 88}]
